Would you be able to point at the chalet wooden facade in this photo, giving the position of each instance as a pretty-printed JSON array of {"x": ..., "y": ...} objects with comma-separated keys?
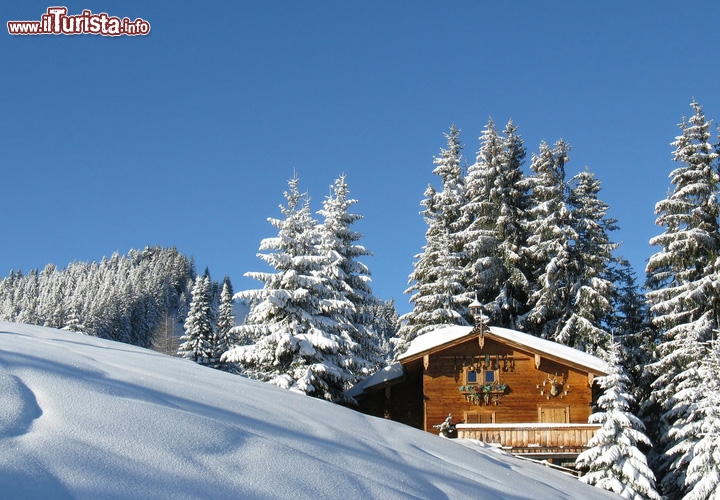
[{"x": 526, "y": 394}]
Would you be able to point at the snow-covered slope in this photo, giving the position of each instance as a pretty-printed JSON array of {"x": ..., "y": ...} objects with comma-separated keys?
[{"x": 85, "y": 418}]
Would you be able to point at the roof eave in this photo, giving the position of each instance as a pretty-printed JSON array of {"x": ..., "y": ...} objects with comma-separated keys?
[{"x": 517, "y": 345}]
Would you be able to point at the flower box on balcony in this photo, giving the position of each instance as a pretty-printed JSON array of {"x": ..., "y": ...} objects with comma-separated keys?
[{"x": 483, "y": 394}]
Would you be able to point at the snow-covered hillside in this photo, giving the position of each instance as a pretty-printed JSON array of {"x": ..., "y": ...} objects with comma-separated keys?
[{"x": 85, "y": 418}]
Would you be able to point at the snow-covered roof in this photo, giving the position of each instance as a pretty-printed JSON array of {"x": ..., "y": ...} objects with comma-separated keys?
[
  {"x": 434, "y": 339},
  {"x": 387, "y": 374},
  {"x": 430, "y": 341}
]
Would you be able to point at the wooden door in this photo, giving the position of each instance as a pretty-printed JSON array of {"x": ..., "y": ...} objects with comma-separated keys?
[{"x": 554, "y": 414}]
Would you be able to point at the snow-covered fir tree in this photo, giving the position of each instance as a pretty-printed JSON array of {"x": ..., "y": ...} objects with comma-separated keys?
[
  {"x": 503, "y": 215},
  {"x": 350, "y": 278},
  {"x": 682, "y": 422},
  {"x": 386, "y": 325},
  {"x": 25, "y": 298},
  {"x": 199, "y": 338},
  {"x": 480, "y": 214},
  {"x": 629, "y": 322},
  {"x": 73, "y": 321},
  {"x": 298, "y": 321},
  {"x": 589, "y": 291},
  {"x": 614, "y": 460},
  {"x": 683, "y": 281},
  {"x": 225, "y": 339},
  {"x": 54, "y": 296},
  {"x": 549, "y": 244},
  {"x": 513, "y": 202},
  {"x": 629, "y": 312},
  {"x": 568, "y": 254},
  {"x": 702, "y": 480},
  {"x": 438, "y": 278}
]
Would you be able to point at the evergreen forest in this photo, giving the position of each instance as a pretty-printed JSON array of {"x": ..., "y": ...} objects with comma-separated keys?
[{"x": 506, "y": 228}]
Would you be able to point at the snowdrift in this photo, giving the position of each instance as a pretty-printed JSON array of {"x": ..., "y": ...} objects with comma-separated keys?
[{"x": 86, "y": 418}]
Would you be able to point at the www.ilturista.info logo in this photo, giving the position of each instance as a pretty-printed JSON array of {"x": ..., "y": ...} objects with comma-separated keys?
[{"x": 56, "y": 22}]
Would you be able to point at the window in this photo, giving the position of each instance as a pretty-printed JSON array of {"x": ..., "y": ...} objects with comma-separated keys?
[{"x": 475, "y": 376}]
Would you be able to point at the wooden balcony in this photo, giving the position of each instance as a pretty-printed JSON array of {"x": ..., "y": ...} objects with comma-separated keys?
[{"x": 545, "y": 441}]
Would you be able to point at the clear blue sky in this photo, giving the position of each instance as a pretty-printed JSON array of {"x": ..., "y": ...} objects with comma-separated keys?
[{"x": 186, "y": 137}]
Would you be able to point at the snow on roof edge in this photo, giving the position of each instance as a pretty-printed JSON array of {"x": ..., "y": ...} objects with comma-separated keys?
[
  {"x": 448, "y": 334},
  {"x": 387, "y": 374},
  {"x": 433, "y": 339}
]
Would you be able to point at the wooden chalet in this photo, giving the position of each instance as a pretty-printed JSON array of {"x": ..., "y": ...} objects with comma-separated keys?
[{"x": 528, "y": 395}]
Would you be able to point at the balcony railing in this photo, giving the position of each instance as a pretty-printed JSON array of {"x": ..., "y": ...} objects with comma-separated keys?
[{"x": 524, "y": 438}]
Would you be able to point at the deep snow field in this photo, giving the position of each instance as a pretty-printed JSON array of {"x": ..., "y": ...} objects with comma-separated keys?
[{"x": 86, "y": 418}]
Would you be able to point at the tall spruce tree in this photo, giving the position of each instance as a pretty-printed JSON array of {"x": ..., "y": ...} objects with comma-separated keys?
[
  {"x": 590, "y": 255},
  {"x": 494, "y": 230},
  {"x": 683, "y": 281},
  {"x": 386, "y": 325},
  {"x": 683, "y": 423},
  {"x": 26, "y": 299},
  {"x": 438, "y": 279},
  {"x": 703, "y": 471},
  {"x": 567, "y": 255},
  {"x": 629, "y": 322},
  {"x": 199, "y": 338},
  {"x": 491, "y": 227},
  {"x": 298, "y": 320},
  {"x": 480, "y": 215},
  {"x": 350, "y": 279},
  {"x": 509, "y": 196},
  {"x": 614, "y": 460},
  {"x": 225, "y": 338},
  {"x": 550, "y": 237},
  {"x": 629, "y": 313}
]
